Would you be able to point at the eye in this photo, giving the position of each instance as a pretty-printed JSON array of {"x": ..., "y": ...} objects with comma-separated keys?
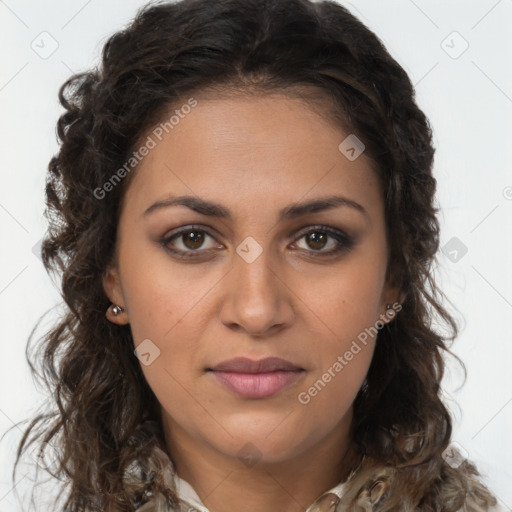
[
  {"x": 317, "y": 238},
  {"x": 188, "y": 241}
]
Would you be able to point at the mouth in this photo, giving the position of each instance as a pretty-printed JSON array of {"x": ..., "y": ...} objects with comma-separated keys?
[{"x": 256, "y": 379}]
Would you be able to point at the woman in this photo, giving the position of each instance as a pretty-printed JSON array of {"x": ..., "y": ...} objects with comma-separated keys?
[{"x": 242, "y": 212}]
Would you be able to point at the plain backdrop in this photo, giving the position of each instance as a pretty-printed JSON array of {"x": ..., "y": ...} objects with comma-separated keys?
[{"x": 457, "y": 54}]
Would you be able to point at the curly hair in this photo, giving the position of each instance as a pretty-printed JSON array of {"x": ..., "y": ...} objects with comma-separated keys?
[{"x": 105, "y": 423}]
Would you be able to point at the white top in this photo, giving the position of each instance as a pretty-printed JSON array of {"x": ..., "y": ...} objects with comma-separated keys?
[{"x": 186, "y": 493}]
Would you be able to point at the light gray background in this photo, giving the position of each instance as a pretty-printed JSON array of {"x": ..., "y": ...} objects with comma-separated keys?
[{"x": 467, "y": 96}]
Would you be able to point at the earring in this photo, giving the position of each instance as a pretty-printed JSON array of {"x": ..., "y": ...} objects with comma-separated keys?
[{"x": 117, "y": 309}]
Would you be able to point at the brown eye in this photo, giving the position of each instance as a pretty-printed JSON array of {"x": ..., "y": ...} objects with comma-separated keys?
[
  {"x": 188, "y": 241},
  {"x": 192, "y": 239},
  {"x": 316, "y": 239},
  {"x": 320, "y": 237}
]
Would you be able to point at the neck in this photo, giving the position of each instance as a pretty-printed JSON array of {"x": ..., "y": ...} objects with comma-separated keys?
[{"x": 292, "y": 485}]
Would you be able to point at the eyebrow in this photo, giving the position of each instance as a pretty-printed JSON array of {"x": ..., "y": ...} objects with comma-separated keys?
[{"x": 291, "y": 211}]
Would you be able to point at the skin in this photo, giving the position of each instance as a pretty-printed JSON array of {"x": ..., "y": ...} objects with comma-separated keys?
[{"x": 254, "y": 155}]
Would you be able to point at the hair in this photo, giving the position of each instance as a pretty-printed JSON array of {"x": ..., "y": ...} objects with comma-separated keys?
[{"x": 105, "y": 424}]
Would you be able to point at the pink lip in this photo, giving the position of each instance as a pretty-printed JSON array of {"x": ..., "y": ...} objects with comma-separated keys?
[
  {"x": 257, "y": 385},
  {"x": 246, "y": 365}
]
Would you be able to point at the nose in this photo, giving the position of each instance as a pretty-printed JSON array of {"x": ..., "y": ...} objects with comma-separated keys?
[{"x": 257, "y": 299}]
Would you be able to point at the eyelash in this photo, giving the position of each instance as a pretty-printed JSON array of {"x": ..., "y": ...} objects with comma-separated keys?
[{"x": 345, "y": 241}]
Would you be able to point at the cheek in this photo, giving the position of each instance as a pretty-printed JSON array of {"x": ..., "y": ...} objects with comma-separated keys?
[
  {"x": 346, "y": 307},
  {"x": 344, "y": 303},
  {"x": 163, "y": 298},
  {"x": 331, "y": 391},
  {"x": 174, "y": 371}
]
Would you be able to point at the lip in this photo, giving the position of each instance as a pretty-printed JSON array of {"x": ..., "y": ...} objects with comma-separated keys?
[
  {"x": 246, "y": 365},
  {"x": 257, "y": 385},
  {"x": 256, "y": 379}
]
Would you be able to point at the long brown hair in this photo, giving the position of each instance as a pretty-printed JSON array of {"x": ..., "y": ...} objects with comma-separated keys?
[{"x": 104, "y": 423}]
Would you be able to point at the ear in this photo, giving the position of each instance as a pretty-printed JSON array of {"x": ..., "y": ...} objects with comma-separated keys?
[
  {"x": 113, "y": 289},
  {"x": 391, "y": 296}
]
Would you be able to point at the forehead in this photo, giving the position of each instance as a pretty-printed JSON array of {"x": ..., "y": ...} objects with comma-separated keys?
[{"x": 259, "y": 151}]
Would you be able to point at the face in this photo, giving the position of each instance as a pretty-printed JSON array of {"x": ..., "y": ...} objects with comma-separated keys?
[{"x": 252, "y": 275}]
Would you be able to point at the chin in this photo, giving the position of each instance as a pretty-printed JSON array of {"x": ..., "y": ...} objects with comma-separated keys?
[
  {"x": 250, "y": 453},
  {"x": 269, "y": 442}
]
